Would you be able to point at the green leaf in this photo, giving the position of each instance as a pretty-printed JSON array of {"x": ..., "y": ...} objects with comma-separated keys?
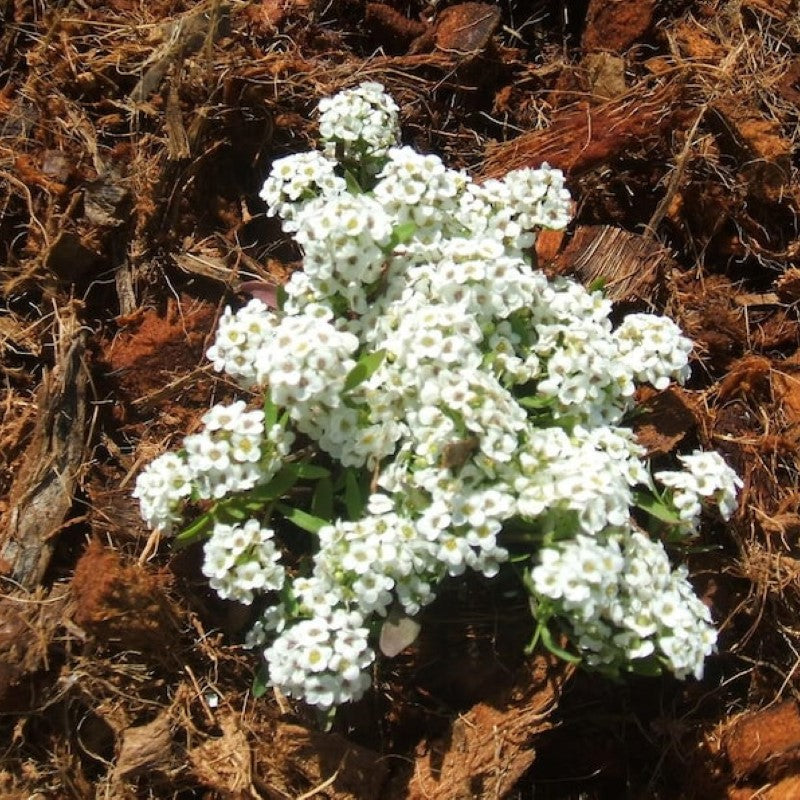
[
  {"x": 556, "y": 650},
  {"x": 527, "y": 581},
  {"x": 325, "y": 717},
  {"x": 354, "y": 499},
  {"x": 277, "y": 487},
  {"x": 253, "y": 507},
  {"x": 356, "y": 405},
  {"x": 310, "y": 471},
  {"x": 304, "y": 520},
  {"x": 280, "y": 297},
  {"x": 353, "y": 186},
  {"x": 322, "y": 501},
  {"x": 366, "y": 366},
  {"x": 531, "y": 646},
  {"x": 232, "y": 511},
  {"x": 535, "y": 402},
  {"x": 522, "y": 525},
  {"x": 655, "y": 507},
  {"x": 648, "y": 667},
  {"x": 270, "y": 411},
  {"x": 401, "y": 234},
  {"x": 522, "y": 327},
  {"x": 598, "y": 285},
  {"x": 260, "y": 682},
  {"x": 194, "y": 531}
]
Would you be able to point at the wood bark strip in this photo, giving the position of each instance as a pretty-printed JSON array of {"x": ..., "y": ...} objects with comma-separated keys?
[
  {"x": 779, "y": 9},
  {"x": 487, "y": 749},
  {"x": 765, "y": 742},
  {"x": 144, "y": 748},
  {"x": 616, "y": 26},
  {"x": 42, "y": 495},
  {"x": 28, "y": 624},
  {"x": 582, "y": 136},
  {"x": 630, "y": 266}
]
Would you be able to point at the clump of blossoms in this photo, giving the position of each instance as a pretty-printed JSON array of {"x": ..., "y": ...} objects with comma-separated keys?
[
  {"x": 241, "y": 560},
  {"x": 432, "y": 404}
]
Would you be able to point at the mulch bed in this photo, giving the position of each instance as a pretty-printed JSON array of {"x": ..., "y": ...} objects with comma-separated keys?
[{"x": 133, "y": 140}]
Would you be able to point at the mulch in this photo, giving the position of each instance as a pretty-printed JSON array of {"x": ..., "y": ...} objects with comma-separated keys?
[{"x": 133, "y": 140}]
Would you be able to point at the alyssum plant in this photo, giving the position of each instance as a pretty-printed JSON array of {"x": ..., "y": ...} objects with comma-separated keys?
[{"x": 432, "y": 404}]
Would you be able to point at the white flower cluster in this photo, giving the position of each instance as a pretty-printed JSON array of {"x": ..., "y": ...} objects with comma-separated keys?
[
  {"x": 242, "y": 561},
  {"x": 233, "y": 453},
  {"x": 303, "y": 357},
  {"x": 588, "y": 475},
  {"x": 419, "y": 189},
  {"x": 226, "y": 456},
  {"x": 624, "y": 602},
  {"x": 358, "y": 124},
  {"x": 297, "y": 179},
  {"x": 162, "y": 489},
  {"x": 591, "y": 369},
  {"x": 346, "y": 237},
  {"x": 653, "y": 349},
  {"x": 322, "y": 660},
  {"x": 363, "y": 564},
  {"x": 512, "y": 209},
  {"x": 306, "y": 362},
  {"x": 707, "y": 479},
  {"x": 421, "y": 351},
  {"x": 343, "y": 240},
  {"x": 240, "y": 338}
]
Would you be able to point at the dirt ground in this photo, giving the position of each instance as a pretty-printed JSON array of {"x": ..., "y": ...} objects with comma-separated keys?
[{"x": 134, "y": 136}]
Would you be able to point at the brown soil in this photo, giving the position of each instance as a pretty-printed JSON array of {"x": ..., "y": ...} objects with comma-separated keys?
[{"x": 133, "y": 140}]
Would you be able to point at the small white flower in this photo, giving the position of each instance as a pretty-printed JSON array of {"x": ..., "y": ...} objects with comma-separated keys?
[{"x": 379, "y": 504}]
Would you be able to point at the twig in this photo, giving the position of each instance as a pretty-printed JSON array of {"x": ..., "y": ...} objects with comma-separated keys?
[
  {"x": 29, "y": 198},
  {"x": 325, "y": 784},
  {"x": 674, "y": 179}
]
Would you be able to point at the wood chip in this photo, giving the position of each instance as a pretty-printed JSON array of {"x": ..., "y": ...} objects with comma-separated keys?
[
  {"x": 766, "y": 742},
  {"x": 753, "y": 299},
  {"x": 615, "y": 26},
  {"x": 144, "y": 748},
  {"x": 466, "y": 27},
  {"x": 28, "y": 625},
  {"x": 177, "y": 138},
  {"x": 630, "y": 266},
  {"x": 344, "y": 769},
  {"x": 486, "y": 750},
  {"x": 788, "y": 286},
  {"x": 107, "y": 202},
  {"x": 779, "y": 9},
  {"x": 606, "y": 75},
  {"x": 16, "y": 336},
  {"x": 204, "y": 22},
  {"x": 581, "y": 136},
  {"x": 205, "y": 264},
  {"x": 225, "y": 763},
  {"x": 69, "y": 258},
  {"x": 666, "y": 419},
  {"x": 42, "y": 495}
]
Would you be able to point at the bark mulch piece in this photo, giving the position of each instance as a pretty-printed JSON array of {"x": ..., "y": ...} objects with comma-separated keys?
[
  {"x": 487, "y": 749},
  {"x": 133, "y": 141},
  {"x": 42, "y": 495}
]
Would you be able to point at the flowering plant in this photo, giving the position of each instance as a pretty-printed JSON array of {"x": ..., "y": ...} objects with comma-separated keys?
[{"x": 433, "y": 404}]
